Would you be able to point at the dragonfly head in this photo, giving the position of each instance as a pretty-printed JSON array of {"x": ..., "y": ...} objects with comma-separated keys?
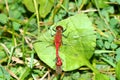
[{"x": 59, "y": 28}]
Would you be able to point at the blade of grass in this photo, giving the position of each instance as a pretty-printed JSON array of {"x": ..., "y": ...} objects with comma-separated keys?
[
  {"x": 109, "y": 62},
  {"x": 25, "y": 73},
  {"x": 10, "y": 58},
  {"x": 37, "y": 15},
  {"x": 24, "y": 32}
]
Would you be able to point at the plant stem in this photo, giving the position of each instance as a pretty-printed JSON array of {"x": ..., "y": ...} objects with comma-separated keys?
[{"x": 37, "y": 15}]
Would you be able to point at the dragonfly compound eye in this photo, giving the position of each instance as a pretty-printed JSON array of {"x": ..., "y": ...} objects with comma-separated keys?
[{"x": 59, "y": 28}]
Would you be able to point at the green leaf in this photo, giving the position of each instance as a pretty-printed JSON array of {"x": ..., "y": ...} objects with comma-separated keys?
[
  {"x": 107, "y": 45},
  {"x": 112, "y": 77},
  {"x": 25, "y": 73},
  {"x": 101, "y": 3},
  {"x": 30, "y": 7},
  {"x": 118, "y": 54},
  {"x": 114, "y": 46},
  {"x": 100, "y": 76},
  {"x": 118, "y": 1},
  {"x": 77, "y": 48},
  {"x": 16, "y": 26},
  {"x": 4, "y": 75},
  {"x": 100, "y": 43},
  {"x": 117, "y": 70},
  {"x": 85, "y": 76},
  {"x": 3, "y": 18},
  {"x": 109, "y": 9},
  {"x": 2, "y": 55},
  {"x": 105, "y": 14},
  {"x": 110, "y": 38},
  {"x": 113, "y": 22},
  {"x": 29, "y": 4},
  {"x": 15, "y": 14},
  {"x": 75, "y": 75},
  {"x": 45, "y": 7}
]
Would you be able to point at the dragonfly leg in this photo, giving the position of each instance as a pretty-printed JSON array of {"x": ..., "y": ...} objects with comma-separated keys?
[{"x": 66, "y": 36}]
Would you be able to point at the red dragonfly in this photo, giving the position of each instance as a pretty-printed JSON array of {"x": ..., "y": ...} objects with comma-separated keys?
[{"x": 57, "y": 43}]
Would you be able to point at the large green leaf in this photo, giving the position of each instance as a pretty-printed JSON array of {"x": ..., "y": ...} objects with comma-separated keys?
[
  {"x": 30, "y": 7},
  {"x": 45, "y": 7},
  {"x": 29, "y": 4},
  {"x": 78, "y": 45}
]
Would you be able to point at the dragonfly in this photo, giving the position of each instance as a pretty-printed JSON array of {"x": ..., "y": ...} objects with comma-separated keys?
[
  {"x": 80, "y": 40},
  {"x": 57, "y": 43}
]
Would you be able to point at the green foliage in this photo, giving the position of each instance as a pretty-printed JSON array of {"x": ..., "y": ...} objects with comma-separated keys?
[
  {"x": 2, "y": 53},
  {"x": 30, "y": 7},
  {"x": 4, "y": 75},
  {"x": 76, "y": 32},
  {"x": 91, "y": 42},
  {"x": 45, "y": 7},
  {"x": 16, "y": 26},
  {"x": 118, "y": 1},
  {"x": 117, "y": 70},
  {"x": 101, "y": 77},
  {"x": 25, "y": 73},
  {"x": 117, "y": 54},
  {"x": 100, "y": 3},
  {"x": 3, "y": 18}
]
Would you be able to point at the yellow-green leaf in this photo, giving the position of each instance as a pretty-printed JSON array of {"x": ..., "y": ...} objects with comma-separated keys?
[{"x": 45, "y": 7}]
